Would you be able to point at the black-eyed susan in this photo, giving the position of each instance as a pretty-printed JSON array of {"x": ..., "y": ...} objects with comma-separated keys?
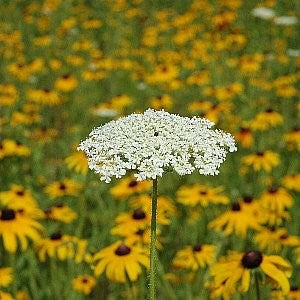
[
  {"x": 56, "y": 245},
  {"x": 120, "y": 260},
  {"x": 65, "y": 187},
  {"x": 266, "y": 120},
  {"x": 44, "y": 96},
  {"x": 194, "y": 257},
  {"x": 291, "y": 182},
  {"x": 292, "y": 139},
  {"x": 66, "y": 83},
  {"x": 219, "y": 290},
  {"x": 162, "y": 101},
  {"x": 265, "y": 160},
  {"x": 237, "y": 267},
  {"x": 14, "y": 226},
  {"x": 78, "y": 162},
  {"x": 165, "y": 206},
  {"x": 245, "y": 137},
  {"x": 43, "y": 135},
  {"x": 22, "y": 201},
  {"x": 201, "y": 194},
  {"x": 294, "y": 293},
  {"x": 129, "y": 186},
  {"x": 138, "y": 219},
  {"x": 236, "y": 220},
  {"x": 61, "y": 212},
  {"x": 273, "y": 240},
  {"x": 276, "y": 199},
  {"x": 6, "y": 277},
  {"x": 84, "y": 284},
  {"x": 5, "y": 296},
  {"x": 163, "y": 73}
]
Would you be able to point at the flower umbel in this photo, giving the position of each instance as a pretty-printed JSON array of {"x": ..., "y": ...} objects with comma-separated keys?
[{"x": 153, "y": 142}]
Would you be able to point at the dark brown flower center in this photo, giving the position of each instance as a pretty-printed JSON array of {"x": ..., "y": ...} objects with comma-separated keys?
[
  {"x": 284, "y": 236},
  {"x": 273, "y": 190},
  {"x": 133, "y": 183},
  {"x": 244, "y": 130},
  {"x": 248, "y": 199},
  {"x": 260, "y": 153},
  {"x": 197, "y": 248},
  {"x": 84, "y": 280},
  {"x": 252, "y": 259},
  {"x": 55, "y": 236},
  {"x": 59, "y": 205},
  {"x": 122, "y": 250},
  {"x": 62, "y": 186},
  {"x": 203, "y": 193},
  {"x": 140, "y": 232},
  {"x": 235, "y": 206},
  {"x": 294, "y": 288},
  {"x": 20, "y": 193},
  {"x": 270, "y": 110},
  {"x": 138, "y": 214},
  {"x": 67, "y": 76},
  {"x": 7, "y": 214}
]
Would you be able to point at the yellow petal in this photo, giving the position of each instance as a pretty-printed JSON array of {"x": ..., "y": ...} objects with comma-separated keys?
[{"x": 276, "y": 275}]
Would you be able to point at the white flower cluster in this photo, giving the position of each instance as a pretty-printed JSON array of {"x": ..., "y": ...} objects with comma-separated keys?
[{"x": 153, "y": 142}]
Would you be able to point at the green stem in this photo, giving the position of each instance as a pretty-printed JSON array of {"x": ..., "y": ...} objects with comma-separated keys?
[
  {"x": 153, "y": 241},
  {"x": 257, "y": 287}
]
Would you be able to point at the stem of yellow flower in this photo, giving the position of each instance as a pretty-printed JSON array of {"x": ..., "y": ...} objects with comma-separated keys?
[
  {"x": 257, "y": 286},
  {"x": 153, "y": 241}
]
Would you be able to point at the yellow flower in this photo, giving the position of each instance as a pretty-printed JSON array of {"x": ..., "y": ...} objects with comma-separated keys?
[
  {"x": 163, "y": 101},
  {"x": 78, "y": 162},
  {"x": 14, "y": 226},
  {"x": 276, "y": 199},
  {"x": 236, "y": 268},
  {"x": 66, "y": 187},
  {"x": 294, "y": 293},
  {"x": 120, "y": 260},
  {"x": 163, "y": 73},
  {"x": 164, "y": 205},
  {"x": 139, "y": 219},
  {"x": 128, "y": 186},
  {"x": 267, "y": 119},
  {"x": 244, "y": 137},
  {"x": 44, "y": 96},
  {"x": 201, "y": 194},
  {"x": 66, "y": 83},
  {"x": 84, "y": 284},
  {"x": 61, "y": 212},
  {"x": 235, "y": 220},
  {"x": 292, "y": 138},
  {"x": 6, "y": 277},
  {"x": 5, "y": 296},
  {"x": 57, "y": 245},
  {"x": 194, "y": 257},
  {"x": 274, "y": 239},
  {"x": 262, "y": 160},
  {"x": 291, "y": 182}
]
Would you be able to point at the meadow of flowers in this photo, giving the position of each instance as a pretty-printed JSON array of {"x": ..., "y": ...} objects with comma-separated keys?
[{"x": 68, "y": 66}]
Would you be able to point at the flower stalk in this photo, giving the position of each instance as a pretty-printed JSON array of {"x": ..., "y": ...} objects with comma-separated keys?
[
  {"x": 257, "y": 286},
  {"x": 153, "y": 242}
]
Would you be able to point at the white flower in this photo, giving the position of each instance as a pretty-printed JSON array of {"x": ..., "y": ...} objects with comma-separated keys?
[
  {"x": 286, "y": 20},
  {"x": 153, "y": 142},
  {"x": 293, "y": 52},
  {"x": 263, "y": 13}
]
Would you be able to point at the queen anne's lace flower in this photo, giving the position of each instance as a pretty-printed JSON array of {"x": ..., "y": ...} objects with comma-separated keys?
[{"x": 153, "y": 142}]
